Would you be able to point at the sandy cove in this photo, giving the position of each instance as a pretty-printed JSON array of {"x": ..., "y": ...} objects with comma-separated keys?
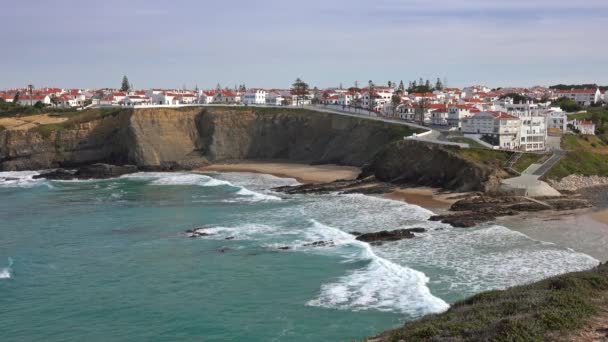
[{"x": 430, "y": 198}]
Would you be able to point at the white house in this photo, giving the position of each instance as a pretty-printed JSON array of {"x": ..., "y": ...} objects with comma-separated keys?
[
  {"x": 585, "y": 127},
  {"x": 206, "y": 96},
  {"x": 439, "y": 117},
  {"x": 275, "y": 98},
  {"x": 27, "y": 100},
  {"x": 254, "y": 97},
  {"x": 458, "y": 112}
]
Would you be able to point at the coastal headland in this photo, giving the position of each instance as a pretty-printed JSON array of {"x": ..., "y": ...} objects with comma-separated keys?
[{"x": 328, "y": 153}]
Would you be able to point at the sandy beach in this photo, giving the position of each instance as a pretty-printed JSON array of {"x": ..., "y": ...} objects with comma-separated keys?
[
  {"x": 429, "y": 198},
  {"x": 302, "y": 172}
]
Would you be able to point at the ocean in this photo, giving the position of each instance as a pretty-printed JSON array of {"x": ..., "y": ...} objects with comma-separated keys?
[{"x": 108, "y": 260}]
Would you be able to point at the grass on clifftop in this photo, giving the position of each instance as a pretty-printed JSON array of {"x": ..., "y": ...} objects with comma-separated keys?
[
  {"x": 542, "y": 311},
  {"x": 526, "y": 160},
  {"x": 581, "y": 162},
  {"x": 472, "y": 143},
  {"x": 492, "y": 158},
  {"x": 78, "y": 117}
]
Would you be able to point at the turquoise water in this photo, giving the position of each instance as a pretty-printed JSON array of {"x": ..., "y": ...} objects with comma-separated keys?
[{"x": 108, "y": 261}]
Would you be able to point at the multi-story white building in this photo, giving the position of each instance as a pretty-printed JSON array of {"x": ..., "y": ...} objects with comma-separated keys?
[
  {"x": 498, "y": 128},
  {"x": 456, "y": 113},
  {"x": 584, "y": 97},
  {"x": 254, "y": 97},
  {"x": 439, "y": 117},
  {"x": 556, "y": 119},
  {"x": 533, "y": 133}
]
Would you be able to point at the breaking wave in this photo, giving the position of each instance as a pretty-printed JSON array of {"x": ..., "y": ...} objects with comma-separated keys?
[
  {"x": 184, "y": 178},
  {"x": 5, "y": 273},
  {"x": 21, "y": 179},
  {"x": 381, "y": 285}
]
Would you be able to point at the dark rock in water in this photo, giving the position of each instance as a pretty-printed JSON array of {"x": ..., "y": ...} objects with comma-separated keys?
[
  {"x": 393, "y": 235},
  {"x": 197, "y": 232},
  {"x": 10, "y": 178},
  {"x": 320, "y": 244},
  {"x": 101, "y": 171},
  {"x": 223, "y": 250},
  {"x": 284, "y": 248},
  {"x": 367, "y": 186},
  {"x": 59, "y": 174},
  {"x": 94, "y": 171},
  {"x": 230, "y": 238},
  {"x": 376, "y": 243},
  {"x": 356, "y": 233}
]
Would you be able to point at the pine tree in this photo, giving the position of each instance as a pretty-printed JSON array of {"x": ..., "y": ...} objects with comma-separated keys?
[
  {"x": 427, "y": 85},
  {"x": 299, "y": 89},
  {"x": 438, "y": 84},
  {"x": 401, "y": 87},
  {"x": 126, "y": 86}
]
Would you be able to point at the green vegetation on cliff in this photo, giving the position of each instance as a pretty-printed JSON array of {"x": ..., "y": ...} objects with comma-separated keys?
[
  {"x": 492, "y": 158},
  {"x": 526, "y": 160},
  {"x": 9, "y": 109},
  {"x": 542, "y": 311},
  {"x": 580, "y": 162}
]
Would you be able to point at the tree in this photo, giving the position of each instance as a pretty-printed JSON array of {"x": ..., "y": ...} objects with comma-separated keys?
[
  {"x": 395, "y": 101},
  {"x": 390, "y": 84},
  {"x": 420, "y": 110},
  {"x": 401, "y": 87},
  {"x": 438, "y": 84},
  {"x": 126, "y": 86},
  {"x": 427, "y": 84},
  {"x": 16, "y": 98},
  {"x": 300, "y": 90},
  {"x": 39, "y": 105},
  {"x": 567, "y": 105}
]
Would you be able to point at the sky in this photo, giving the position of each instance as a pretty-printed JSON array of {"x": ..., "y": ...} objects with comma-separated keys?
[{"x": 269, "y": 43}]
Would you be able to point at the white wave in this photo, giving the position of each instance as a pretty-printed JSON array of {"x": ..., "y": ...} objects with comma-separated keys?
[
  {"x": 177, "y": 178},
  {"x": 250, "y": 231},
  {"x": 184, "y": 178},
  {"x": 5, "y": 273},
  {"x": 469, "y": 261},
  {"x": 20, "y": 179},
  {"x": 381, "y": 285},
  {"x": 256, "y": 196}
]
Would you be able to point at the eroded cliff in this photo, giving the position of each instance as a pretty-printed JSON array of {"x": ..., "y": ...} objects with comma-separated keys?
[{"x": 168, "y": 139}]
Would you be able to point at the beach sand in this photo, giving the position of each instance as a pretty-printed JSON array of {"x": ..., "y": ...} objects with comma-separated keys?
[
  {"x": 429, "y": 198},
  {"x": 301, "y": 172}
]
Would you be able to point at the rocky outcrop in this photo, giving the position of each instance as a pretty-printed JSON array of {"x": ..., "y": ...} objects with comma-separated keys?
[
  {"x": 478, "y": 209},
  {"x": 94, "y": 171},
  {"x": 392, "y": 235},
  {"x": 417, "y": 163},
  {"x": 577, "y": 182}
]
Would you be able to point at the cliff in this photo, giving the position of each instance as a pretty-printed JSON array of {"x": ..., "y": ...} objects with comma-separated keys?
[{"x": 186, "y": 138}]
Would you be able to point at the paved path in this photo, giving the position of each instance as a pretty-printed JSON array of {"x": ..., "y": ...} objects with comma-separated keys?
[{"x": 546, "y": 166}]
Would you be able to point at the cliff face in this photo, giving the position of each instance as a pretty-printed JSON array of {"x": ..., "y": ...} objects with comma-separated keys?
[
  {"x": 417, "y": 163},
  {"x": 186, "y": 138}
]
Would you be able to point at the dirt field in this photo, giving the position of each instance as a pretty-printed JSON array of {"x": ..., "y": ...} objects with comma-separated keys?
[{"x": 27, "y": 122}]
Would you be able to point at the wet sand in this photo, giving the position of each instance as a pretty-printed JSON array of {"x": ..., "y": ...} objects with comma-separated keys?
[{"x": 429, "y": 198}]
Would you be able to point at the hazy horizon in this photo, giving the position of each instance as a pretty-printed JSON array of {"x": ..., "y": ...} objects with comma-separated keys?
[{"x": 270, "y": 43}]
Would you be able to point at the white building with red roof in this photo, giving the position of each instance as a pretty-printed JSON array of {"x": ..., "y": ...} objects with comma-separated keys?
[
  {"x": 584, "y": 127},
  {"x": 497, "y": 128},
  {"x": 584, "y": 97},
  {"x": 254, "y": 97}
]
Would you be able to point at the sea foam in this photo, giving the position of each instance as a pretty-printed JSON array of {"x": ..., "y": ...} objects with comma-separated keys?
[
  {"x": 184, "y": 178},
  {"x": 5, "y": 273},
  {"x": 20, "y": 179},
  {"x": 381, "y": 284}
]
